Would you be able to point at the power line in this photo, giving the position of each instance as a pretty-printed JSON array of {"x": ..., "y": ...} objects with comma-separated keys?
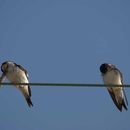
[{"x": 68, "y": 84}]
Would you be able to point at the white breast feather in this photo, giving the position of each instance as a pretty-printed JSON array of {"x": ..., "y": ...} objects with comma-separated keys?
[{"x": 112, "y": 78}]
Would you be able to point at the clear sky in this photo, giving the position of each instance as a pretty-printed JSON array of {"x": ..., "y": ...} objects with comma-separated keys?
[{"x": 64, "y": 41}]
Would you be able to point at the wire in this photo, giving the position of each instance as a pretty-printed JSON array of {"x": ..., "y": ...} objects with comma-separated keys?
[{"x": 68, "y": 84}]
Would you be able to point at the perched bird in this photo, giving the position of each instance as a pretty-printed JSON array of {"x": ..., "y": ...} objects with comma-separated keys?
[
  {"x": 112, "y": 76},
  {"x": 17, "y": 74}
]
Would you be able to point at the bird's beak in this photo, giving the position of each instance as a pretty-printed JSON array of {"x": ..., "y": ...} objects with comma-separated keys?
[{"x": 2, "y": 78}]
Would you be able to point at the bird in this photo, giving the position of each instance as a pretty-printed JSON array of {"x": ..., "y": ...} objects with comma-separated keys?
[
  {"x": 15, "y": 73},
  {"x": 112, "y": 76}
]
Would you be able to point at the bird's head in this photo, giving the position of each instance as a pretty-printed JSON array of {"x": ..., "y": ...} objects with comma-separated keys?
[
  {"x": 106, "y": 67},
  {"x": 6, "y": 66}
]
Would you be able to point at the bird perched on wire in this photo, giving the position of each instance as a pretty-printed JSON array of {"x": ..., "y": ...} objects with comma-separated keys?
[
  {"x": 112, "y": 76},
  {"x": 17, "y": 74}
]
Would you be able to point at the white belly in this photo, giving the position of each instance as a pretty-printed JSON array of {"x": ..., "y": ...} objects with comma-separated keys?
[
  {"x": 112, "y": 77},
  {"x": 17, "y": 76}
]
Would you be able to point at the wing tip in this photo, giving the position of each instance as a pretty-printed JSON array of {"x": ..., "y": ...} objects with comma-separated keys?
[
  {"x": 124, "y": 105},
  {"x": 29, "y": 102},
  {"x": 118, "y": 105},
  {"x": 121, "y": 105}
]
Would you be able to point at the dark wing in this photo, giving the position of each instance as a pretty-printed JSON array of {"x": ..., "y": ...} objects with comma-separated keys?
[
  {"x": 118, "y": 104},
  {"x": 122, "y": 87},
  {"x": 114, "y": 99},
  {"x": 118, "y": 72},
  {"x": 22, "y": 69},
  {"x": 29, "y": 102},
  {"x": 125, "y": 96},
  {"x": 27, "y": 96},
  {"x": 29, "y": 90}
]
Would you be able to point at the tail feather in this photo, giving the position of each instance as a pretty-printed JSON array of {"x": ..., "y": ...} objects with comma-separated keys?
[
  {"x": 26, "y": 91},
  {"x": 114, "y": 99},
  {"x": 118, "y": 102},
  {"x": 29, "y": 102},
  {"x": 124, "y": 105},
  {"x": 125, "y": 97}
]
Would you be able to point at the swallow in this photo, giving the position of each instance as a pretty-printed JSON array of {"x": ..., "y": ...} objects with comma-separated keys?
[
  {"x": 112, "y": 76},
  {"x": 17, "y": 74}
]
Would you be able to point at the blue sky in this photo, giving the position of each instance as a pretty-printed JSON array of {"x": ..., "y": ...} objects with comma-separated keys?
[{"x": 64, "y": 41}]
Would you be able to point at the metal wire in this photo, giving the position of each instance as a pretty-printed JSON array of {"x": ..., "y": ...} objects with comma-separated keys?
[{"x": 68, "y": 84}]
